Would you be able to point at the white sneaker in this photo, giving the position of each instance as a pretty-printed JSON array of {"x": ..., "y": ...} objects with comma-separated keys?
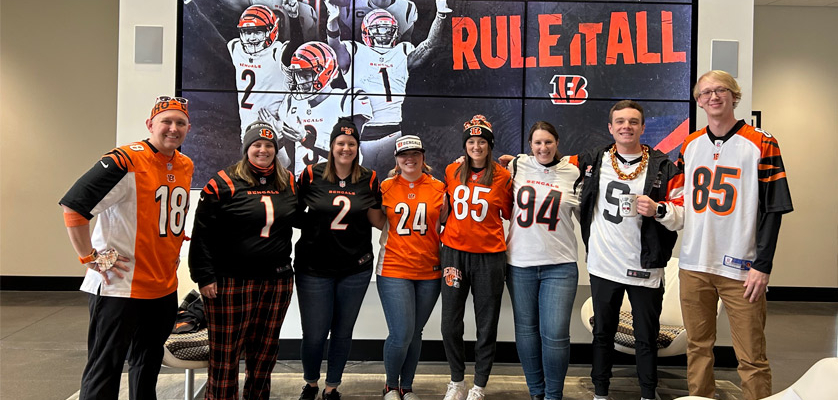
[
  {"x": 410, "y": 396},
  {"x": 456, "y": 391},
  {"x": 392, "y": 395},
  {"x": 476, "y": 393}
]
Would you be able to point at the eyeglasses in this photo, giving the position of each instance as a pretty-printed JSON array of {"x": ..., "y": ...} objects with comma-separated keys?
[
  {"x": 166, "y": 99},
  {"x": 718, "y": 91}
]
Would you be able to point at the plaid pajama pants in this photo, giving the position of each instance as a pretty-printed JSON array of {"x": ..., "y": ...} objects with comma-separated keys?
[{"x": 245, "y": 319}]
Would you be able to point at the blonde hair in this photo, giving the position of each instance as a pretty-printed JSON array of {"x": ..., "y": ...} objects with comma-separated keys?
[
  {"x": 726, "y": 80},
  {"x": 396, "y": 170}
]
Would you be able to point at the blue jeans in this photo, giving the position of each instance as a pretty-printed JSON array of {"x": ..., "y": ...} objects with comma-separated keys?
[
  {"x": 407, "y": 306},
  {"x": 329, "y": 305},
  {"x": 542, "y": 301}
]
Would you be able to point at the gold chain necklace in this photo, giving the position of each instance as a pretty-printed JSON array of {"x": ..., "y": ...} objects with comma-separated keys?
[{"x": 644, "y": 159}]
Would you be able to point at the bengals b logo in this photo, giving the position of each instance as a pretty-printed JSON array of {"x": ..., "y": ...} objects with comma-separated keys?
[
  {"x": 569, "y": 89},
  {"x": 267, "y": 134}
]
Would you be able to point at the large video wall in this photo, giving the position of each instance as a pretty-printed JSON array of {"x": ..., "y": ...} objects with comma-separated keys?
[{"x": 516, "y": 62}]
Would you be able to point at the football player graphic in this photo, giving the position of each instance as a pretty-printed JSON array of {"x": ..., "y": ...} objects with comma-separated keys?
[
  {"x": 306, "y": 117},
  {"x": 380, "y": 67},
  {"x": 256, "y": 55},
  {"x": 352, "y": 12}
]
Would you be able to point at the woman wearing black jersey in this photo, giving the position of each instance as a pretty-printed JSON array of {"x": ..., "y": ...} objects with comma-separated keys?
[
  {"x": 240, "y": 258},
  {"x": 334, "y": 255}
]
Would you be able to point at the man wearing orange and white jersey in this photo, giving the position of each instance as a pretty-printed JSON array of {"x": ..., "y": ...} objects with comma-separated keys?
[
  {"x": 735, "y": 194},
  {"x": 140, "y": 192}
]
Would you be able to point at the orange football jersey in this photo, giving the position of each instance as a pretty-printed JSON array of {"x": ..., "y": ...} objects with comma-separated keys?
[
  {"x": 475, "y": 218},
  {"x": 410, "y": 245}
]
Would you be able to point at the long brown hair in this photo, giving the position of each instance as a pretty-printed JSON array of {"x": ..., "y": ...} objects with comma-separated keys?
[
  {"x": 464, "y": 170},
  {"x": 330, "y": 174}
]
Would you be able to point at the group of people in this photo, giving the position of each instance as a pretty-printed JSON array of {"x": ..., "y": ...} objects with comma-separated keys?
[{"x": 439, "y": 239}]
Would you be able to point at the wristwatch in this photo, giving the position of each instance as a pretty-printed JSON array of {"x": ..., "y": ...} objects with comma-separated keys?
[
  {"x": 90, "y": 257},
  {"x": 661, "y": 212}
]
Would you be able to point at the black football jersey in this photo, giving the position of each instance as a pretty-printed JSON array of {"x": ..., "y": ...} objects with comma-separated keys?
[
  {"x": 336, "y": 235},
  {"x": 242, "y": 231}
]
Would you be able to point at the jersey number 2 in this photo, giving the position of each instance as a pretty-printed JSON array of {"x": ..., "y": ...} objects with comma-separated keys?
[
  {"x": 245, "y": 75},
  {"x": 173, "y": 207},
  {"x": 345, "y": 204}
]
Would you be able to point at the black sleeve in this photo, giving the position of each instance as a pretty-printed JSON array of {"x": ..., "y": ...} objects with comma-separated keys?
[
  {"x": 295, "y": 40},
  {"x": 302, "y": 189},
  {"x": 376, "y": 192},
  {"x": 768, "y": 229},
  {"x": 96, "y": 183},
  {"x": 202, "y": 246}
]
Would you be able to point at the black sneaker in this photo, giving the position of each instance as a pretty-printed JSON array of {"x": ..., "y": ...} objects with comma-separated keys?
[
  {"x": 309, "y": 392},
  {"x": 333, "y": 395}
]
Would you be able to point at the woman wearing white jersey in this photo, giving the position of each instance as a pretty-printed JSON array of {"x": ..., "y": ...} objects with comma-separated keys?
[{"x": 542, "y": 274}]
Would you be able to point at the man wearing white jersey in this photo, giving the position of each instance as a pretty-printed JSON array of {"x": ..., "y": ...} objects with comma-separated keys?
[
  {"x": 380, "y": 67},
  {"x": 256, "y": 54},
  {"x": 736, "y": 193},
  {"x": 628, "y": 253},
  {"x": 307, "y": 116}
]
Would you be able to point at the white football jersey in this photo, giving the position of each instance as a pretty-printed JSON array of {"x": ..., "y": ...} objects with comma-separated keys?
[
  {"x": 541, "y": 229},
  {"x": 614, "y": 242},
  {"x": 726, "y": 183},
  {"x": 319, "y": 119},
  {"x": 383, "y": 74},
  {"x": 257, "y": 73}
]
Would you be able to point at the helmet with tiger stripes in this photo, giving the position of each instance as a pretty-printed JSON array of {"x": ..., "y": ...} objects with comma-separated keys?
[
  {"x": 313, "y": 67},
  {"x": 380, "y": 29},
  {"x": 258, "y": 28}
]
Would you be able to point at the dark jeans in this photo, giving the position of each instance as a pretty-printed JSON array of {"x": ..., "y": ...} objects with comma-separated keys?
[
  {"x": 123, "y": 327},
  {"x": 542, "y": 302},
  {"x": 483, "y": 274},
  {"x": 407, "y": 306},
  {"x": 329, "y": 308},
  {"x": 646, "y": 304}
]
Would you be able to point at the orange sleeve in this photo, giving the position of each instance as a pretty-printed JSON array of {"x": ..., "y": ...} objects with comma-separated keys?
[{"x": 73, "y": 218}]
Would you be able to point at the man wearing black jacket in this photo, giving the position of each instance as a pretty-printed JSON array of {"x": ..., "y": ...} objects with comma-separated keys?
[{"x": 627, "y": 253}]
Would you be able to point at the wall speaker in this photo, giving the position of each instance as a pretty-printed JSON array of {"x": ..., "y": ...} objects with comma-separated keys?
[
  {"x": 148, "y": 44},
  {"x": 725, "y": 56}
]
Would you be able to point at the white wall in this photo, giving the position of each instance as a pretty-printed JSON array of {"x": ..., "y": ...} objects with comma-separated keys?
[
  {"x": 57, "y": 116},
  {"x": 795, "y": 84}
]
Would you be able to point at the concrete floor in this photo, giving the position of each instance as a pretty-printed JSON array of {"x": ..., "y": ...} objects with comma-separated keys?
[{"x": 43, "y": 350}]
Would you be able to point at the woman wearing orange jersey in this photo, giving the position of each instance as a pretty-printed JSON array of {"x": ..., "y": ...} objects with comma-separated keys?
[
  {"x": 474, "y": 255},
  {"x": 408, "y": 263}
]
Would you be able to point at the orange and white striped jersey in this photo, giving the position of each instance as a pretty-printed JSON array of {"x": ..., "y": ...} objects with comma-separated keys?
[
  {"x": 410, "y": 242},
  {"x": 475, "y": 219},
  {"x": 728, "y": 182},
  {"x": 141, "y": 198}
]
